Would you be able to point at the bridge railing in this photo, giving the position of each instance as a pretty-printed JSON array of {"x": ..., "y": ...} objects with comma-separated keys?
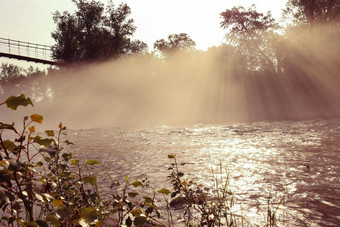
[{"x": 26, "y": 49}]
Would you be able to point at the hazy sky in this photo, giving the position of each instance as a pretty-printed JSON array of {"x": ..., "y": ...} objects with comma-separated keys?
[{"x": 31, "y": 20}]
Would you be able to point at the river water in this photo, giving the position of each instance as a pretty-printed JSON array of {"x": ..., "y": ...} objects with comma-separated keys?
[{"x": 296, "y": 161}]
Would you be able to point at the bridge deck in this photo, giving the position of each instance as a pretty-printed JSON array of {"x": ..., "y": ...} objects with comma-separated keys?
[
  {"x": 25, "y": 58},
  {"x": 26, "y": 51}
]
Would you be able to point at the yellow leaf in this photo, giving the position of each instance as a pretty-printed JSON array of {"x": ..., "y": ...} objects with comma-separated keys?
[
  {"x": 37, "y": 118},
  {"x": 4, "y": 162},
  {"x": 57, "y": 202},
  {"x": 60, "y": 125},
  {"x": 31, "y": 129},
  {"x": 99, "y": 223}
]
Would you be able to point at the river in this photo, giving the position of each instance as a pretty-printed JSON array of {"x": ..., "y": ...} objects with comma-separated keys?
[{"x": 298, "y": 161}]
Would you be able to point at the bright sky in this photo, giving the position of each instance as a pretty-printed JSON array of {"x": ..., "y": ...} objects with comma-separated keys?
[{"x": 31, "y": 20}]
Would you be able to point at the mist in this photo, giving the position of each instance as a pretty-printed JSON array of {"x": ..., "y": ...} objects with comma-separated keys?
[{"x": 187, "y": 88}]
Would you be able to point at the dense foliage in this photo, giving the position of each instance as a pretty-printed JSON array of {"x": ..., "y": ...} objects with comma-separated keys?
[
  {"x": 175, "y": 42},
  {"x": 40, "y": 184},
  {"x": 311, "y": 13},
  {"x": 94, "y": 32},
  {"x": 10, "y": 71},
  {"x": 251, "y": 32}
]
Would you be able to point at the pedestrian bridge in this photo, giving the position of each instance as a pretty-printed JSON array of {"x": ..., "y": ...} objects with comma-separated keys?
[{"x": 26, "y": 51}]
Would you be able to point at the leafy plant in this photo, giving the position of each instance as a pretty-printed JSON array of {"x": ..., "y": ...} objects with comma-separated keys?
[
  {"x": 40, "y": 184},
  {"x": 202, "y": 205}
]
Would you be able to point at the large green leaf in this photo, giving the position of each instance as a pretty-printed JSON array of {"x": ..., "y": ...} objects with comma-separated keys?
[
  {"x": 13, "y": 102},
  {"x": 43, "y": 142},
  {"x": 147, "y": 199},
  {"x": 49, "y": 132},
  {"x": 133, "y": 194},
  {"x": 88, "y": 213},
  {"x": 53, "y": 220},
  {"x": 136, "y": 212},
  {"x": 90, "y": 179},
  {"x": 75, "y": 162},
  {"x": 139, "y": 221},
  {"x": 164, "y": 191},
  {"x": 137, "y": 183}
]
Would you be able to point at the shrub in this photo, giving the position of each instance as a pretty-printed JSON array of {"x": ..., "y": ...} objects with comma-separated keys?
[{"x": 40, "y": 184}]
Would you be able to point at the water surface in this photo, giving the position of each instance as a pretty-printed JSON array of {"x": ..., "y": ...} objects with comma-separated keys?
[{"x": 297, "y": 161}]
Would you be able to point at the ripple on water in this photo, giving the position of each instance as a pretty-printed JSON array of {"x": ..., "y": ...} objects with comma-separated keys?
[{"x": 296, "y": 160}]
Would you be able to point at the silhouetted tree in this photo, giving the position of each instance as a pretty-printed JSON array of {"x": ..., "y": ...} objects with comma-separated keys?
[
  {"x": 17, "y": 80},
  {"x": 10, "y": 71},
  {"x": 94, "y": 32},
  {"x": 312, "y": 12},
  {"x": 315, "y": 25},
  {"x": 252, "y": 33},
  {"x": 175, "y": 43}
]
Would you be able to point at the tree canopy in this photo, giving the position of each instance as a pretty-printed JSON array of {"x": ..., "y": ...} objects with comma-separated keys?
[
  {"x": 312, "y": 12},
  {"x": 94, "y": 32},
  {"x": 252, "y": 33},
  {"x": 174, "y": 43},
  {"x": 11, "y": 72}
]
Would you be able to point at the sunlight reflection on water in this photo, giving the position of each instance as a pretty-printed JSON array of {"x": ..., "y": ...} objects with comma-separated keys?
[{"x": 297, "y": 161}]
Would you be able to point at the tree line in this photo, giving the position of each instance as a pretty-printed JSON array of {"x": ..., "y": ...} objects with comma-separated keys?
[{"x": 96, "y": 32}]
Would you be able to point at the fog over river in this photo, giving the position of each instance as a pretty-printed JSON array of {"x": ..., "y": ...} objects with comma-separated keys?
[{"x": 295, "y": 160}]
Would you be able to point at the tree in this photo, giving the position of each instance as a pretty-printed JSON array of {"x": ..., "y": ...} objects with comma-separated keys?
[
  {"x": 10, "y": 71},
  {"x": 252, "y": 33},
  {"x": 175, "y": 43},
  {"x": 15, "y": 79},
  {"x": 94, "y": 32},
  {"x": 312, "y": 12}
]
